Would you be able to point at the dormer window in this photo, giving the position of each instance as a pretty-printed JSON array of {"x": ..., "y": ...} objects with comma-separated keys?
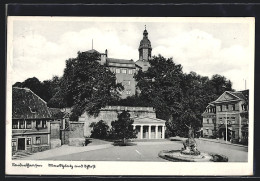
[{"x": 33, "y": 110}]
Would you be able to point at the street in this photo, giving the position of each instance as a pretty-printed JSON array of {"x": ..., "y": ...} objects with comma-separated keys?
[{"x": 148, "y": 151}]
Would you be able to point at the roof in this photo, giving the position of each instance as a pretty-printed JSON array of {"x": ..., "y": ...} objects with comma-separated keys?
[
  {"x": 245, "y": 93},
  {"x": 236, "y": 96},
  {"x": 27, "y": 105},
  {"x": 92, "y": 51},
  {"x": 145, "y": 43},
  {"x": 239, "y": 95},
  {"x": 142, "y": 120},
  {"x": 57, "y": 113},
  {"x": 120, "y": 61},
  {"x": 210, "y": 105}
]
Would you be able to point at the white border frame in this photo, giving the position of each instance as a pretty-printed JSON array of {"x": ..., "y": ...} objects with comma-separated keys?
[{"x": 129, "y": 168}]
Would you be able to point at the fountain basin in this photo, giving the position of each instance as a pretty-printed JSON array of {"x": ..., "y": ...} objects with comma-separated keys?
[{"x": 177, "y": 156}]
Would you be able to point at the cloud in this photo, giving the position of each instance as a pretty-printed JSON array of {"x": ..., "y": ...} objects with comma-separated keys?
[
  {"x": 38, "y": 55},
  {"x": 201, "y": 52}
]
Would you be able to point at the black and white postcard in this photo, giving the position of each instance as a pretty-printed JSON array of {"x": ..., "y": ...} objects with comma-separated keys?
[{"x": 130, "y": 96}]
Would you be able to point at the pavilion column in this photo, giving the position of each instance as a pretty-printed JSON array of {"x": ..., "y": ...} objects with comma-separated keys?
[
  {"x": 163, "y": 132},
  {"x": 149, "y": 134},
  {"x": 141, "y": 131},
  {"x": 156, "y": 132}
]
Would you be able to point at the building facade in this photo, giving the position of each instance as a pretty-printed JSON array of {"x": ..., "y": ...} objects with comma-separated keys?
[
  {"x": 149, "y": 128},
  {"x": 145, "y": 121},
  {"x": 228, "y": 114},
  {"x": 125, "y": 69},
  {"x": 30, "y": 122}
]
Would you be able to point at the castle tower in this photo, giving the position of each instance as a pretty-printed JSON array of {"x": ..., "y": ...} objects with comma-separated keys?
[{"x": 145, "y": 48}]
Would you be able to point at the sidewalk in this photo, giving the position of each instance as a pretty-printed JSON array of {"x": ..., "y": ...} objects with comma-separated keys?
[
  {"x": 221, "y": 142},
  {"x": 209, "y": 140},
  {"x": 64, "y": 150}
]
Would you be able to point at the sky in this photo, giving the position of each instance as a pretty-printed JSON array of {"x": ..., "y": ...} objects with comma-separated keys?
[{"x": 203, "y": 45}]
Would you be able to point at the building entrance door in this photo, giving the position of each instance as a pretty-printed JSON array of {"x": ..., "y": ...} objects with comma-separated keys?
[{"x": 21, "y": 143}]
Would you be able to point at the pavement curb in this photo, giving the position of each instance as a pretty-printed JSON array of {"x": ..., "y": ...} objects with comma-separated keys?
[{"x": 215, "y": 141}]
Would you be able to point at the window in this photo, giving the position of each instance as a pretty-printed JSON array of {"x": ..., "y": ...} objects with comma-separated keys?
[
  {"x": 124, "y": 71},
  {"x": 226, "y": 107},
  {"x": 130, "y": 71},
  {"x": 21, "y": 124},
  {"x": 15, "y": 124},
  {"x": 233, "y": 107},
  {"x": 44, "y": 124},
  {"x": 118, "y": 71},
  {"x": 14, "y": 142},
  {"x": 244, "y": 107},
  {"x": 28, "y": 124},
  {"x": 220, "y": 108},
  {"x": 29, "y": 141},
  {"x": 208, "y": 121},
  {"x": 128, "y": 92},
  {"x": 38, "y": 140},
  {"x": 38, "y": 124},
  {"x": 129, "y": 82},
  {"x": 207, "y": 131}
]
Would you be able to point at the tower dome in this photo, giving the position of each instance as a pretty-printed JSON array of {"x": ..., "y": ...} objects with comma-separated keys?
[{"x": 145, "y": 48}]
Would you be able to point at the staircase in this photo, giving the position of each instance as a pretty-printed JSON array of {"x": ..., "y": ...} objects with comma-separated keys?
[{"x": 21, "y": 154}]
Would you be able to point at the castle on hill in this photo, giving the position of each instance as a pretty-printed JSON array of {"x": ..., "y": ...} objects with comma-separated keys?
[{"x": 125, "y": 69}]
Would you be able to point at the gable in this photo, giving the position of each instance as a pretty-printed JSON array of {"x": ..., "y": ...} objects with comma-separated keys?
[
  {"x": 148, "y": 120},
  {"x": 226, "y": 96}
]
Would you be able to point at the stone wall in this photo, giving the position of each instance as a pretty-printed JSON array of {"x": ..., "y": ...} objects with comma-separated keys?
[
  {"x": 55, "y": 130},
  {"x": 55, "y": 143},
  {"x": 110, "y": 113},
  {"x": 76, "y": 130},
  {"x": 76, "y": 134}
]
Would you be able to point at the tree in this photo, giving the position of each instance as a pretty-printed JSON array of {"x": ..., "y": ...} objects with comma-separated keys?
[
  {"x": 87, "y": 85},
  {"x": 122, "y": 128},
  {"x": 99, "y": 130},
  {"x": 45, "y": 90},
  {"x": 177, "y": 97},
  {"x": 220, "y": 84},
  {"x": 160, "y": 86}
]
